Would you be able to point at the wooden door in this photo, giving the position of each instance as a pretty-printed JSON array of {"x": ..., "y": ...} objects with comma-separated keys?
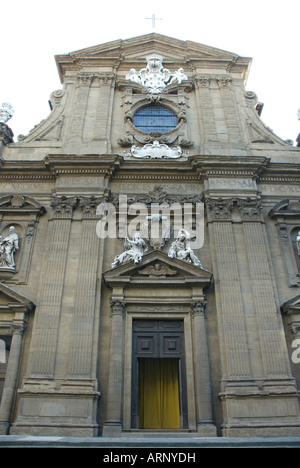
[{"x": 159, "y": 366}]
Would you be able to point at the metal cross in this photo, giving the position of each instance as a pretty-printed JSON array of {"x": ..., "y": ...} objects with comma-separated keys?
[{"x": 153, "y": 18}]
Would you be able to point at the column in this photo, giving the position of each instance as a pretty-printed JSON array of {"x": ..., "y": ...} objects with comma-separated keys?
[
  {"x": 113, "y": 425},
  {"x": 82, "y": 338},
  {"x": 10, "y": 384},
  {"x": 235, "y": 355},
  {"x": 52, "y": 284},
  {"x": 202, "y": 371}
]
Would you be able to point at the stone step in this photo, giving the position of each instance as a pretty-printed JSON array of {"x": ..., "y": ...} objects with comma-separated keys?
[{"x": 153, "y": 443}]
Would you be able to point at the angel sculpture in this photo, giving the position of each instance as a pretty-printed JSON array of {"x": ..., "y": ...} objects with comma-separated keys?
[
  {"x": 135, "y": 251},
  {"x": 181, "y": 248}
]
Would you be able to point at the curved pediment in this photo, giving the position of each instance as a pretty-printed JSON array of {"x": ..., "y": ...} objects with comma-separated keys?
[{"x": 292, "y": 306}]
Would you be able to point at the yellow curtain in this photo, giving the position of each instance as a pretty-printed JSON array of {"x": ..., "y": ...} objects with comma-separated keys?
[{"x": 159, "y": 406}]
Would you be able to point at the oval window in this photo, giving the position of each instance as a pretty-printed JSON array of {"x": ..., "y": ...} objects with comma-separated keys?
[{"x": 155, "y": 119}]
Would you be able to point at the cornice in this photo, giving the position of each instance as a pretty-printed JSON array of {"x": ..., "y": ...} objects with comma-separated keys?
[
  {"x": 83, "y": 164},
  {"x": 124, "y": 54},
  {"x": 116, "y": 167}
]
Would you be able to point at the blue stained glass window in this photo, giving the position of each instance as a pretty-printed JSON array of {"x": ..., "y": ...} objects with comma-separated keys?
[{"x": 155, "y": 119}]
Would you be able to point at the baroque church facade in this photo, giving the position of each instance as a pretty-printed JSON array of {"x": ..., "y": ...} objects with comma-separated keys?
[{"x": 149, "y": 252}]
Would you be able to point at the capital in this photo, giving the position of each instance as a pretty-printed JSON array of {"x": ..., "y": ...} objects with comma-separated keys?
[
  {"x": 198, "y": 308},
  {"x": 63, "y": 207},
  {"x": 117, "y": 307},
  {"x": 18, "y": 328}
]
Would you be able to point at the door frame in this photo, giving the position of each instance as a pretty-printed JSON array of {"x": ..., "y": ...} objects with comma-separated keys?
[
  {"x": 186, "y": 366},
  {"x": 156, "y": 354}
]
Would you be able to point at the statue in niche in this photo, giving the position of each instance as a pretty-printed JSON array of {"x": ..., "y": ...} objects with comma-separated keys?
[
  {"x": 181, "y": 249},
  {"x": 136, "y": 248},
  {"x": 298, "y": 243},
  {"x": 8, "y": 246}
]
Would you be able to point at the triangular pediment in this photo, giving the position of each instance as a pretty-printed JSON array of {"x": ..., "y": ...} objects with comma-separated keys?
[
  {"x": 137, "y": 46},
  {"x": 132, "y": 52},
  {"x": 156, "y": 266},
  {"x": 10, "y": 298}
]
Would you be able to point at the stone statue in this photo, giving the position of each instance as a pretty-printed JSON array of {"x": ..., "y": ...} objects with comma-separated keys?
[
  {"x": 6, "y": 112},
  {"x": 136, "y": 248},
  {"x": 178, "y": 76},
  {"x": 133, "y": 76},
  {"x": 298, "y": 243},
  {"x": 181, "y": 248},
  {"x": 8, "y": 246}
]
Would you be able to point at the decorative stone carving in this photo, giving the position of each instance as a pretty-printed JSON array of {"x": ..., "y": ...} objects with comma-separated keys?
[
  {"x": 117, "y": 307},
  {"x": 182, "y": 250},
  {"x": 56, "y": 98},
  {"x": 63, "y": 206},
  {"x": 136, "y": 248},
  {"x": 158, "y": 269},
  {"x": 250, "y": 209},
  {"x": 198, "y": 308},
  {"x": 219, "y": 208},
  {"x": 156, "y": 150},
  {"x": 89, "y": 205},
  {"x": 6, "y": 134},
  {"x": 6, "y": 112},
  {"x": 157, "y": 195},
  {"x": 8, "y": 246},
  {"x": 154, "y": 77}
]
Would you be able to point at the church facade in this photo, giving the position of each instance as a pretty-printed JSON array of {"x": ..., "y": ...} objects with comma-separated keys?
[{"x": 150, "y": 252}]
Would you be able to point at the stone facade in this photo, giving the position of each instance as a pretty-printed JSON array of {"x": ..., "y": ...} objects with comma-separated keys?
[{"x": 67, "y": 317}]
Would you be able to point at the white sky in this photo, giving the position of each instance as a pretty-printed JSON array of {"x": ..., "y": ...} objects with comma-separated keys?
[{"x": 33, "y": 31}]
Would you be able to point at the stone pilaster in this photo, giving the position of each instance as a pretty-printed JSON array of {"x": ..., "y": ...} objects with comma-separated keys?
[
  {"x": 272, "y": 344},
  {"x": 48, "y": 313},
  {"x": 205, "y": 422},
  {"x": 236, "y": 366},
  {"x": 80, "y": 104},
  {"x": 113, "y": 425},
  {"x": 231, "y": 115},
  {"x": 11, "y": 378},
  {"x": 93, "y": 108},
  {"x": 82, "y": 337},
  {"x": 206, "y": 113}
]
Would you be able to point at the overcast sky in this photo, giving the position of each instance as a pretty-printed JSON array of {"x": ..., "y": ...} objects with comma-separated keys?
[{"x": 34, "y": 31}]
